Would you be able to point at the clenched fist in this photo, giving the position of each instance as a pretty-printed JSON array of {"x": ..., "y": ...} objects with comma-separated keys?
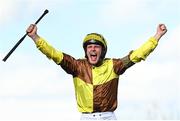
[
  {"x": 161, "y": 30},
  {"x": 32, "y": 32}
]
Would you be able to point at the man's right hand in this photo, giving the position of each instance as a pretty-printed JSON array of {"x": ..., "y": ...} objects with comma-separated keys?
[{"x": 32, "y": 32}]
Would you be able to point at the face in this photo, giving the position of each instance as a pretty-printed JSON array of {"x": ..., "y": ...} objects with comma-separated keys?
[{"x": 93, "y": 52}]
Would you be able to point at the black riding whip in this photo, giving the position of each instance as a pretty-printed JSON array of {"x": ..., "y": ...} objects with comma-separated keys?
[{"x": 17, "y": 44}]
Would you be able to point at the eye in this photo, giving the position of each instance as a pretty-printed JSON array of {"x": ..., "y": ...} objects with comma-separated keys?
[
  {"x": 89, "y": 46},
  {"x": 98, "y": 46}
]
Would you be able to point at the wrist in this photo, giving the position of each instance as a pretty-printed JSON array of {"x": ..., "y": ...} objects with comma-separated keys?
[
  {"x": 157, "y": 36},
  {"x": 35, "y": 38}
]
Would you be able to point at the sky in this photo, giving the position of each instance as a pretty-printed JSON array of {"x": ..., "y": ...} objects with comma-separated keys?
[{"x": 33, "y": 87}]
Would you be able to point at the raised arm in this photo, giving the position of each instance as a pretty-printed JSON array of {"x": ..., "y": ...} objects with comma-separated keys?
[
  {"x": 67, "y": 62},
  {"x": 43, "y": 46},
  {"x": 142, "y": 52}
]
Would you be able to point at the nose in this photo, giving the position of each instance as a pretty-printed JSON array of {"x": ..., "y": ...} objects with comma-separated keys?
[{"x": 93, "y": 48}]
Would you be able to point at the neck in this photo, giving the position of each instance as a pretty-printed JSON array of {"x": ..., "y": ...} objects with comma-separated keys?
[{"x": 99, "y": 63}]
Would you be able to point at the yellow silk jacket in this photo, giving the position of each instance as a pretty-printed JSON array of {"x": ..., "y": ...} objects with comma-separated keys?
[{"x": 96, "y": 87}]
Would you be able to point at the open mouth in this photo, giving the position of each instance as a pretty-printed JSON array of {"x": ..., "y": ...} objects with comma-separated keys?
[{"x": 93, "y": 56}]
